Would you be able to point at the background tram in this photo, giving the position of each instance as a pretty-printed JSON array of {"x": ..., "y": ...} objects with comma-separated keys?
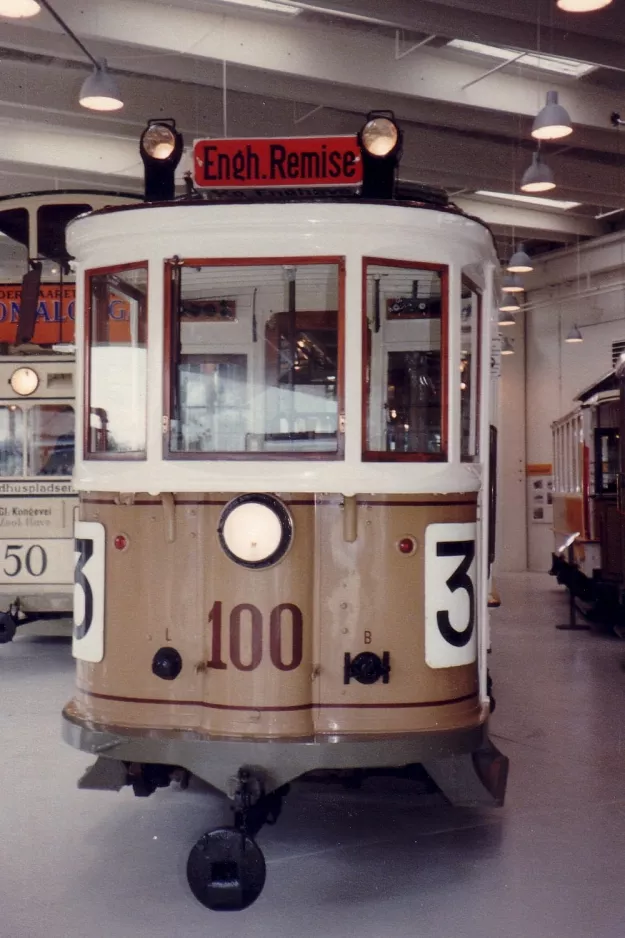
[
  {"x": 37, "y": 393},
  {"x": 283, "y": 467},
  {"x": 589, "y": 536}
]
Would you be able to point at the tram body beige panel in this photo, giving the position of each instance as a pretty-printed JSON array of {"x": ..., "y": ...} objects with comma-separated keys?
[{"x": 161, "y": 593}]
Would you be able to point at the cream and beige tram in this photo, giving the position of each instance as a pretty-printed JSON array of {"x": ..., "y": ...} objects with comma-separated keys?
[
  {"x": 37, "y": 392},
  {"x": 283, "y": 467},
  {"x": 587, "y": 515}
]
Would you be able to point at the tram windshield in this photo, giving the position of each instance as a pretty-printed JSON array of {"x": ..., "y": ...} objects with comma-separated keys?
[
  {"x": 36, "y": 440},
  {"x": 406, "y": 309},
  {"x": 255, "y": 358}
]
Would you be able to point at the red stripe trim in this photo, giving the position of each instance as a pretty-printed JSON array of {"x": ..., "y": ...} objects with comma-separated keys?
[{"x": 308, "y": 706}]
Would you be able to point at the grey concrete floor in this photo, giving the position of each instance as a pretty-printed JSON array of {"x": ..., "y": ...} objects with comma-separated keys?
[{"x": 378, "y": 862}]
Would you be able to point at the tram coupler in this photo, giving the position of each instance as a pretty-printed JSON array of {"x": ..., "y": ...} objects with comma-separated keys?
[{"x": 226, "y": 868}]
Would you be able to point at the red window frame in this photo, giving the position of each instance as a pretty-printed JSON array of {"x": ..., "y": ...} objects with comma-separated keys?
[
  {"x": 88, "y": 330},
  {"x": 176, "y": 263},
  {"x": 467, "y": 282}
]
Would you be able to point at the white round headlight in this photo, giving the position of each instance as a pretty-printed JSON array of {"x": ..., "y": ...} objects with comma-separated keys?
[
  {"x": 24, "y": 381},
  {"x": 255, "y": 530},
  {"x": 159, "y": 141},
  {"x": 379, "y": 136}
]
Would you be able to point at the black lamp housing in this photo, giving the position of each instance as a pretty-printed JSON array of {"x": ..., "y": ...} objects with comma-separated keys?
[
  {"x": 380, "y": 172},
  {"x": 159, "y": 172},
  {"x": 29, "y": 303}
]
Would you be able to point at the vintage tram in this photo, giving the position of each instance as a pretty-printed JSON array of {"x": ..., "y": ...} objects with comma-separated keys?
[
  {"x": 37, "y": 419},
  {"x": 589, "y": 545},
  {"x": 283, "y": 468}
]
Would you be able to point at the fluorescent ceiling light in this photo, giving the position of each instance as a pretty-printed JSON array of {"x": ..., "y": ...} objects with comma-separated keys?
[
  {"x": 545, "y": 63},
  {"x": 274, "y": 5},
  {"x": 531, "y": 199}
]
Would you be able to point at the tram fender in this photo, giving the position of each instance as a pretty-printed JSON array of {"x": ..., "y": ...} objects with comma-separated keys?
[
  {"x": 105, "y": 775},
  {"x": 472, "y": 780}
]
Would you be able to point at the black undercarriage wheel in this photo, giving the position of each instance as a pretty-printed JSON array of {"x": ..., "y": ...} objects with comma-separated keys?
[
  {"x": 8, "y": 626},
  {"x": 226, "y": 870}
]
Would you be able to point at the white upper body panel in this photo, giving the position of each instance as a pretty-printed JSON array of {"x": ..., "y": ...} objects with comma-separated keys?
[{"x": 282, "y": 231}]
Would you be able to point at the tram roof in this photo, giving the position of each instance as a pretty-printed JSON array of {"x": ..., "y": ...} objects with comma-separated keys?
[
  {"x": 609, "y": 382},
  {"x": 408, "y": 195}
]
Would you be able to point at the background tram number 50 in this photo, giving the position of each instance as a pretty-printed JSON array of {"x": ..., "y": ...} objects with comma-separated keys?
[
  {"x": 246, "y": 635},
  {"x": 18, "y": 558}
]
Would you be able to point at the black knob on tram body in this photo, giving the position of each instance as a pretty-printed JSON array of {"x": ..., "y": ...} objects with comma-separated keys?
[
  {"x": 367, "y": 667},
  {"x": 167, "y": 664}
]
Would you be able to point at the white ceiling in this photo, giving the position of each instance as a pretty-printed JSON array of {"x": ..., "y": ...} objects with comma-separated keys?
[{"x": 319, "y": 72}]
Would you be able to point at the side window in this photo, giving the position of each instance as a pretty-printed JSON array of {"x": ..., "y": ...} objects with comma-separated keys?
[
  {"x": 116, "y": 336},
  {"x": 255, "y": 361},
  {"x": 471, "y": 310},
  {"x": 405, "y": 367},
  {"x": 606, "y": 460},
  {"x": 50, "y": 439},
  {"x": 11, "y": 440}
]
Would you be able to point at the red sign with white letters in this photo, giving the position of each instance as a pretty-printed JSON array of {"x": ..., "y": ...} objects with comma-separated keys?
[{"x": 277, "y": 162}]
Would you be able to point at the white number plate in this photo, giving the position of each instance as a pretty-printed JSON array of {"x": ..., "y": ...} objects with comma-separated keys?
[
  {"x": 450, "y": 594},
  {"x": 30, "y": 561},
  {"x": 89, "y": 547}
]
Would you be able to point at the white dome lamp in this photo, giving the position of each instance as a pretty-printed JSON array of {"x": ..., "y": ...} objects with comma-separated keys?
[
  {"x": 552, "y": 122},
  {"x": 100, "y": 91},
  {"x": 507, "y": 347},
  {"x": 509, "y": 304},
  {"x": 512, "y": 283},
  {"x": 520, "y": 262},
  {"x": 538, "y": 177},
  {"x": 506, "y": 319},
  {"x": 582, "y": 6},
  {"x": 19, "y": 9},
  {"x": 574, "y": 335}
]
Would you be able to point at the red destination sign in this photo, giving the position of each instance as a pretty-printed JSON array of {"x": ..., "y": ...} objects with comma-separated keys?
[{"x": 277, "y": 161}]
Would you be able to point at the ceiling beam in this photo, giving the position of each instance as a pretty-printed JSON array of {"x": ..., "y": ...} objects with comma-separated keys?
[
  {"x": 332, "y": 54},
  {"x": 539, "y": 222},
  {"x": 516, "y": 27}
]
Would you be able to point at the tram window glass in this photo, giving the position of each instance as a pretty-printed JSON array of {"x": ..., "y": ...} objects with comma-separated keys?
[
  {"x": 606, "y": 460},
  {"x": 50, "y": 439},
  {"x": 469, "y": 370},
  {"x": 11, "y": 440},
  {"x": 52, "y": 220},
  {"x": 14, "y": 222},
  {"x": 255, "y": 358},
  {"x": 404, "y": 360},
  {"x": 117, "y": 363}
]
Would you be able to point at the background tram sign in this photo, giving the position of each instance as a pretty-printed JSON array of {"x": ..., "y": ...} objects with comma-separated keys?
[{"x": 277, "y": 161}]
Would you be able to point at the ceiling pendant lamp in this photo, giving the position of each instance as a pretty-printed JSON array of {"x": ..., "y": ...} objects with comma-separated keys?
[
  {"x": 553, "y": 121},
  {"x": 509, "y": 304},
  {"x": 100, "y": 91},
  {"x": 582, "y": 6},
  {"x": 19, "y": 9},
  {"x": 574, "y": 335},
  {"x": 520, "y": 262},
  {"x": 538, "y": 177},
  {"x": 506, "y": 319},
  {"x": 512, "y": 284},
  {"x": 507, "y": 347}
]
